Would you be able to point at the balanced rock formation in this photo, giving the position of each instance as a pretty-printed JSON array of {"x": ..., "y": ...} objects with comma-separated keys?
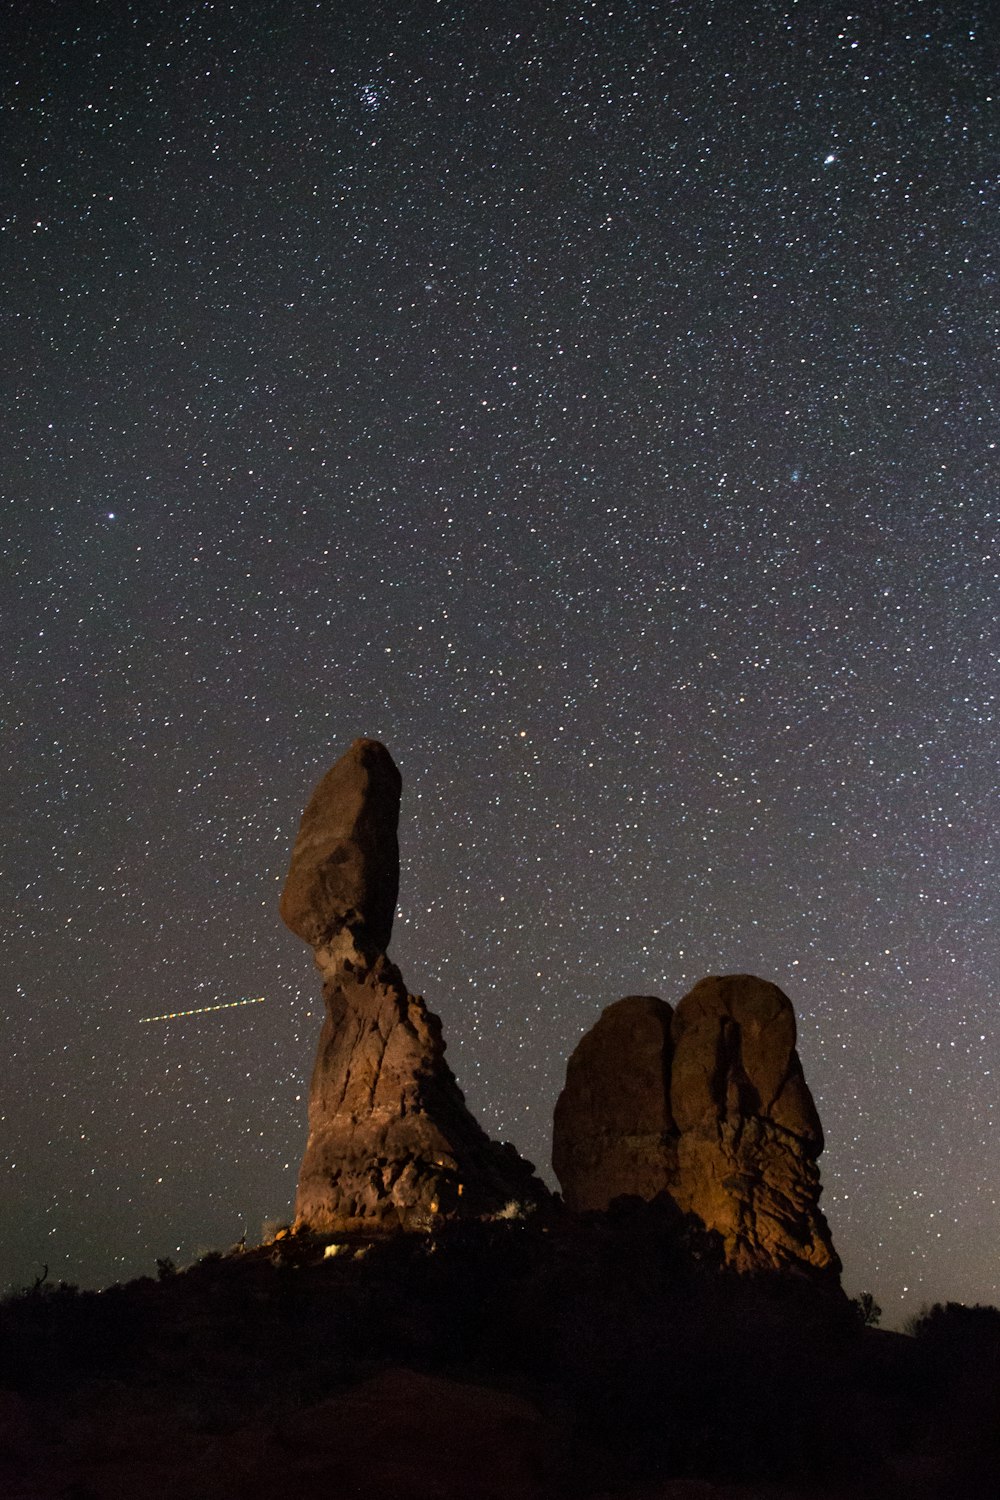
[
  {"x": 391, "y": 1143},
  {"x": 732, "y": 1136},
  {"x": 614, "y": 1132}
]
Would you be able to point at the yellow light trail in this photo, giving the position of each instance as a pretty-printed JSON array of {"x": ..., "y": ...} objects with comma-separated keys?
[{"x": 173, "y": 1015}]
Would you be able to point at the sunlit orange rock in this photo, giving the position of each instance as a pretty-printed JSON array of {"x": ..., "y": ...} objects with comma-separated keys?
[
  {"x": 748, "y": 1132},
  {"x": 708, "y": 1104}
]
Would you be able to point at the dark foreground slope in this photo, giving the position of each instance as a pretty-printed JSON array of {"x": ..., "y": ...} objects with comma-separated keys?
[{"x": 607, "y": 1355}]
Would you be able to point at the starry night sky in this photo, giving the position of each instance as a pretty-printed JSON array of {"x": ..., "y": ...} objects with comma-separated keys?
[{"x": 598, "y": 404}]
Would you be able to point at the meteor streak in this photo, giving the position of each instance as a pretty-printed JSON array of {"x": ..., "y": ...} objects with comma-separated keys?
[{"x": 173, "y": 1015}]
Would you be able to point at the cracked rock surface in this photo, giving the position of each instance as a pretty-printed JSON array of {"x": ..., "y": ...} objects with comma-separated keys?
[
  {"x": 708, "y": 1104},
  {"x": 748, "y": 1132}
]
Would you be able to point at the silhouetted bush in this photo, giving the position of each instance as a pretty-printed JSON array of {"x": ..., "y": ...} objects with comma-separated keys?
[
  {"x": 867, "y": 1309},
  {"x": 952, "y": 1328}
]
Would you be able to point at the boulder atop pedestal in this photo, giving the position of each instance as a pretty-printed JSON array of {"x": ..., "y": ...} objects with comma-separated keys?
[
  {"x": 344, "y": 872},
  {"x": 613, "y": 1132},
  {"x": 391, "y": 1142}
]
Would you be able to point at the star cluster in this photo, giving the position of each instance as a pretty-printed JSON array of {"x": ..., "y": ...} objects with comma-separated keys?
[{"x": 598, "y": 404}]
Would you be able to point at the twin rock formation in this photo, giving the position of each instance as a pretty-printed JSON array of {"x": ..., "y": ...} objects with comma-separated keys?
[{"x": 707, "y": 1103}]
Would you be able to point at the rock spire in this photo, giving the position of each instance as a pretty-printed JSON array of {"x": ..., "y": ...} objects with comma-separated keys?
[{"x": 391, "y": 1143}]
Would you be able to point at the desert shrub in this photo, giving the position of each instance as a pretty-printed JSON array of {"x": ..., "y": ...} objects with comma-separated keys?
[
  {"x": 868, "y": 1312},
  {"x": 951, "y": 1326}
]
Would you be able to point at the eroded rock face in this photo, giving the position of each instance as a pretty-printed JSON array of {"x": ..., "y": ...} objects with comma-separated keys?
[
  {"x": 748, "y": 1132},
  {"x": 391, "y": 1143},
  {"x": 708, "y": 1104},
  {"x": 614, "y": 1132}
]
